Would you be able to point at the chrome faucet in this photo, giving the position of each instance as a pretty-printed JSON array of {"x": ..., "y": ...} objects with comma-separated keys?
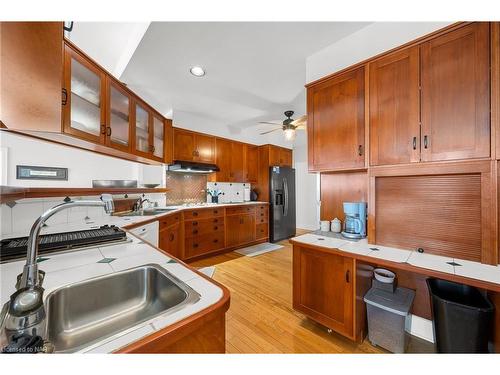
[
  {"x": 138, "y": 206},
  {"x": 26, "y": 313}
]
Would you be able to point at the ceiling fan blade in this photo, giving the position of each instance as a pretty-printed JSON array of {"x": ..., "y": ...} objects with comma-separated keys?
[
  {"x": 270, "y": 131},
  {"x": 270, "y": 123},
  {"x": 301, "y": 120},
  {"x": 300, "y": 127}
]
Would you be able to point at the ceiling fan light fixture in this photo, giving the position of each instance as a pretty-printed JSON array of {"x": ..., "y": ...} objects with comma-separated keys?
[
  {"x": 197, "y": 71},
  {"x": 290, "y": 134}
]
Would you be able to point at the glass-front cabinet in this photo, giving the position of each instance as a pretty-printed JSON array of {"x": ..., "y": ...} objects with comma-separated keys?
[
  {"x": 142, "y": 130},
  {"x": 98, "y": 108},
  {"x": 118, "y": 124},
  {"x": 158, "y": 137},
  {"x": 83, "y": 98}
]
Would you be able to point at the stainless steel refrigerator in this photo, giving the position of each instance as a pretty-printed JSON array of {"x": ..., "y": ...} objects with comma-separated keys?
[{"x": 282, "y": 200}]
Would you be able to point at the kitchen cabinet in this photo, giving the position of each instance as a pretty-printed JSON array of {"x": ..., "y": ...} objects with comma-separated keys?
[
  {"x": 169, "y": 142},
  {"x": 191, "y": 146},
  {"x": 84, "y": 97},
  {"x": 395, "y": 108},
  {"x": 149, "y": 129},
  {"x": 456, "y": 94},
  {"x": 31, "y": 69},
  {"x": 118, "y": 116},
  {"x": 336, "y": 122},
  {"x": 237, "y": 162},
  {"x": 323, "y": 288},
  {"x": 285, "y": 157},
  {"x": 240, "y": 229},
  {"x": 274, "y": 155},
  {"x": 170, "y": 240},
  {"x": 251, "y": 164},
  {"x": 203, "y": 232},
  {"x": 223, "y": 159}
]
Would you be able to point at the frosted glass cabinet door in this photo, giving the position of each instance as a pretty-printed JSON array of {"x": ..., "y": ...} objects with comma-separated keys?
[
  {"x": 119, "y": 119},
  {"x": 142, "y": 130},
  {"x": 159, "y": 134},
  {"x": 86, "y": 106}
]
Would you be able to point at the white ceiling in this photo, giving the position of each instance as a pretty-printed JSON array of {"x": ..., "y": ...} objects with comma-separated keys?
[{"x": 254, "y": 70}]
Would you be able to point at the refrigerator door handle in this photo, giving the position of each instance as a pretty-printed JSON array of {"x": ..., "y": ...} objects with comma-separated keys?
[{"x": 285, "y": 188}]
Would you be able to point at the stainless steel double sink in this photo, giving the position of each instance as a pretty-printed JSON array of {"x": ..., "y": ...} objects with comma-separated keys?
[{"x": 82, "y": 314}]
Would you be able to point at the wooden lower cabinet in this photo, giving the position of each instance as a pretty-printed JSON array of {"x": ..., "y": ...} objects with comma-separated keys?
[
  {"x": 323, "y": 288},
  {"x": 240, "y": 229},
  {"x": 170, "y": 240}
]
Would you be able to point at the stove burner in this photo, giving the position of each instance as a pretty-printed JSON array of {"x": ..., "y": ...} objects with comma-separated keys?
[{"x": 16, "y": 248}]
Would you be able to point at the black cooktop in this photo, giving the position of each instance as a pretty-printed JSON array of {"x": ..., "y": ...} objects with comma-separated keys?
[{"x": 16, "y": 248}]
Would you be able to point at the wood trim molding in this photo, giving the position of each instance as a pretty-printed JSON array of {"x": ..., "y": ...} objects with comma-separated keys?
[
  {"x": 11, "y": 193},
  {"x": 495, "y": 89},
  {"x": 412, "y": 43}
]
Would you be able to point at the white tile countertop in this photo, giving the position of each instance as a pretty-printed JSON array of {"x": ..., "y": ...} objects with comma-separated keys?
[
  {"x": 67, "y": 268},
  {"x": 452, "y": 266}
]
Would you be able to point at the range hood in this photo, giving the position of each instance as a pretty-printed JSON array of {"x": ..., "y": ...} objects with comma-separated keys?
[{"x": 192, "y": 167}]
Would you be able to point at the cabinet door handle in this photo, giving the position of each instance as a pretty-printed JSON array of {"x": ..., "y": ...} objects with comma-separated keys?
[
  {"x": 347, "y": 276},
  {"x": 195, "y": 213},
  {"x": 195, "y": 223},
  {"x": 216, "y": 240},
  {"x": 360, "y": 150},
  {"x": 216, "y": 220},
  {"x": 216, "y": 227},
  {"x": 195, "y": 245},
  {"x": 171, "y": 237},
  {"x": 108, "y": 133},
  {"x": 425, "y": 141},
  {"x": 195, "y": 231},
  {"x": 103, "y": 129},
  {"x": 64, "y": 96},
  {"x": 414, "y": 143}
]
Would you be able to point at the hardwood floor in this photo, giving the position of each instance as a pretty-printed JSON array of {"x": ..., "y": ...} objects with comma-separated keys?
[{"x": 261, "y": 318}]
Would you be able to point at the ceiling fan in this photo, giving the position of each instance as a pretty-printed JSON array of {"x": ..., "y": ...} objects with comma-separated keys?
[{"x": 289, "y": 125}]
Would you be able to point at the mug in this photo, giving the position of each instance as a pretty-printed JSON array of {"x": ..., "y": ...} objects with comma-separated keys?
[
  {"x": 336, "y": 226},
  {"x": 324, "y": 226}
]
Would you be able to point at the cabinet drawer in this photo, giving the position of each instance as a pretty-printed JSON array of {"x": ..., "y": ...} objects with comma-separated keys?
[
  {"x": 169, "y": 220},
  {"x": 263, "y": 207},
  {"x": 196, "y": 228},
  {"x": 261, "y": 217},
  {"x": 261, "y": 231},
  {"x": 204, "y": 213},
  {"x": 240, "y": 210},
  {"x": 204, "y": 244}
]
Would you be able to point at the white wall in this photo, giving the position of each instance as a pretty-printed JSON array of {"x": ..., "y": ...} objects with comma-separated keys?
[
  {"x": 371, "y": 40},
  {"x": 83, "y": 166},
  {"x": 306, "y": 186}
]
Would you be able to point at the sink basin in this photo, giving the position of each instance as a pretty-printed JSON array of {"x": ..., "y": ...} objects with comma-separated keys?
[
  {"x": 153, "y": 212},
  {"x": 81, "y": 314}
]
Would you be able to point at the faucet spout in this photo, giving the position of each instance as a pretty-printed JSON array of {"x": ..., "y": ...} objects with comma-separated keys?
[{"x": 30, "y": 270}]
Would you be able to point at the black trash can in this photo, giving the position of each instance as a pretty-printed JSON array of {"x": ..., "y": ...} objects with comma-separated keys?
[{"x": 462, "y": 317}]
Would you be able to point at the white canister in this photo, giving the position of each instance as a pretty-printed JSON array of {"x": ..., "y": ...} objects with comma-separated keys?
[
  {"x": 324, "y": 226},
  {"x": 336, "y": 225}
]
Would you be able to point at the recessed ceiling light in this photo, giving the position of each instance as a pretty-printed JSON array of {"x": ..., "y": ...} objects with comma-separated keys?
[{"x": 197, "y": 71}]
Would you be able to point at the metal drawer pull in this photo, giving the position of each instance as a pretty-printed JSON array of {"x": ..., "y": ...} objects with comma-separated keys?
[
  {"x": 425, "y": 141},
  {"x": 414, "y": 143},
  {"x": 195, "y": 231},
  {"x": 347, "y": 276},
  {"x": 195, "y": 245}
]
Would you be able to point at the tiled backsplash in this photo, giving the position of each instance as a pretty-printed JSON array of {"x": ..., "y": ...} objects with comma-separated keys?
[
  {"x": 186, "y": 188},
  {"x": 230, "y": 191},
  {"x": 19, "y": 218}
]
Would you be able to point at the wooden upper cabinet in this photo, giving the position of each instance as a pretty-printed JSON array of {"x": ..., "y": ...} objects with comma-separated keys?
[
  {"x": 118, "y": 127},
  {"x": 323, "y": 288},
  {"x": 184, "y": 145},
  {"x": 456, "y": 94},
  {"x": 191, "y": 146},
  {"x": 31, "y": 75},
  {"x": 158, "y": 129},
  {"x": 84, "y": 113},
  {"x": 169, "y": 142},
  {"x": 395, "y": 108},
  {"x": 237, "y": 162},
  {"x": 251, "y": 163},
  {"x": 205, "y": 148},
  {"x": 143, "y": 130},
  {"x": 336, "y": 122},
  {"x": 285, "y": 157},
  {"x": 274, "y": 155},
  {"x": 223, "y": 159}
]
